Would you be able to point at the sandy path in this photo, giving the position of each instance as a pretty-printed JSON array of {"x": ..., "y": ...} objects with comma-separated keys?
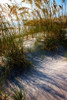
[{"x": 47, "y": 81}]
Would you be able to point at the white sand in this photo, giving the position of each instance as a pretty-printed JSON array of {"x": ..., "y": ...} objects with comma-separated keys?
[{"x": 47, "y": 81}]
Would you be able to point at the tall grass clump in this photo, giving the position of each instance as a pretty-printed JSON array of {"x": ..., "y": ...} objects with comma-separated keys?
[
  {"x": 11, "y": 43},
  {"x": 48, "y": 24},
  {"x": 12, "y": 46},
  {"x": 13, "y": 51},
  {"x": 18, "y": 95},
  {"x": 53, "y": 37}
]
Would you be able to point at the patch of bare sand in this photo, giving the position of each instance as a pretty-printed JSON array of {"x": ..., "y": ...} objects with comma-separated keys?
[{"x": 47, "y": 81}]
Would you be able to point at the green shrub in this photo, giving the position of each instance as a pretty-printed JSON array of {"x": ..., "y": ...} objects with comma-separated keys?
[
  {"x": 63, "y": 38},
  {"x": 15, "y": 58},
  {"x": 66, "y": 55},
  {"x": 50, "y": 43}
]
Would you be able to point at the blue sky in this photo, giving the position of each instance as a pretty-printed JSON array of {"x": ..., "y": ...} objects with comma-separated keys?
[{"x": 59, "y": 2}]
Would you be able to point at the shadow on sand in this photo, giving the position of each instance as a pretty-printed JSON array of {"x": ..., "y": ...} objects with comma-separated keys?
[{"x": 47, "y": 80}]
